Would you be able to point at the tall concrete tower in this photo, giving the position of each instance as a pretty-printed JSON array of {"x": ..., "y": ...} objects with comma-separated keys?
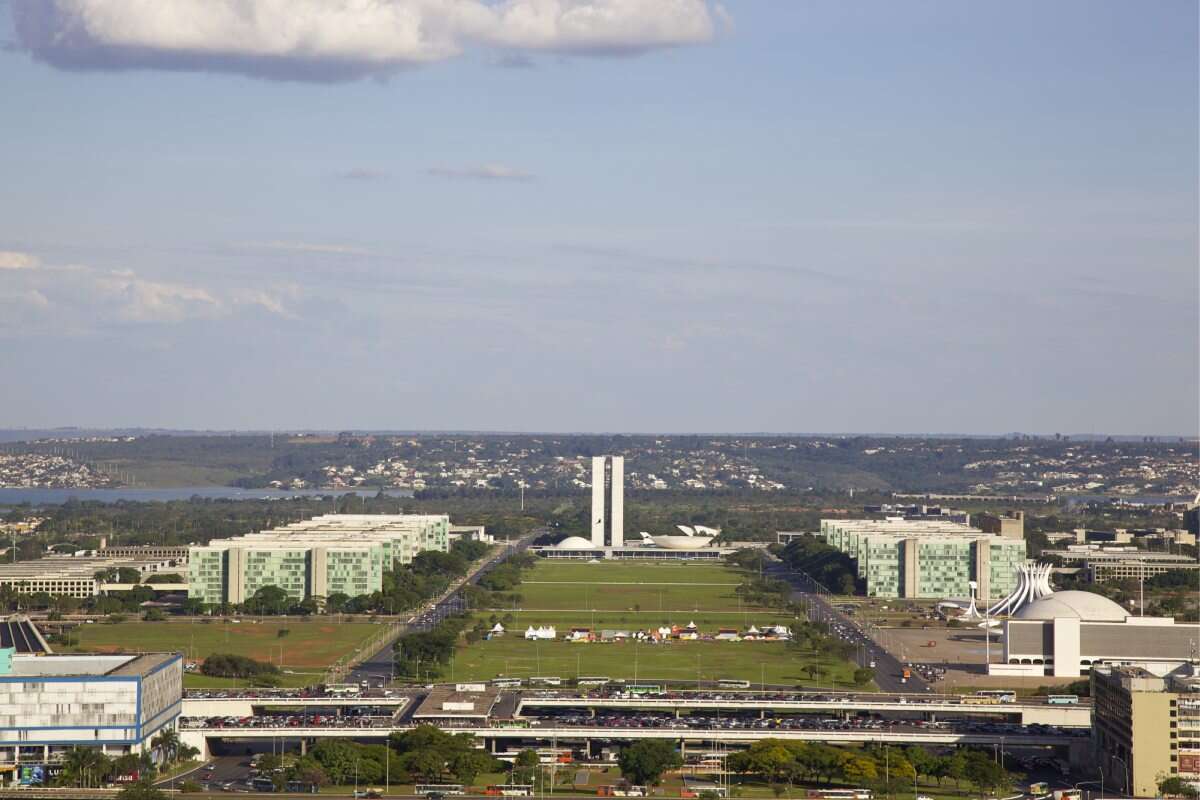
[
  {"x": 608, "y": 518},
  {"x": 598, "y": 515},
  {"x": 616, "y": 479}
]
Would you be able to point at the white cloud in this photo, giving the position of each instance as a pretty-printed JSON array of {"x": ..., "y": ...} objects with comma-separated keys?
[
  {"x": 11, "y": 259},
  {"x": 328, "y": 40},
  {"x": 483, "y": 172},
  {"x": 139, "y": 300},
  {"x": 61, "y": 299},
  {"x": 309, "y": 247}
]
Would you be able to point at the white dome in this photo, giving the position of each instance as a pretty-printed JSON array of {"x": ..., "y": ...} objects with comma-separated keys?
[
  {"x": 1073, "y": 604},
  {"x": 574, "y": 543},
  {"x": 682, "y": 542}
]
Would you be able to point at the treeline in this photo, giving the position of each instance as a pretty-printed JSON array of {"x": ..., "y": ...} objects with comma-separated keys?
[
  {"x": 425, "y": 654},
  {"x": 421, "y": 755},
  {"x": 827, "y": 565},
  {"x": 229, "y": 665},
  {"x": 898, "y": 769}
]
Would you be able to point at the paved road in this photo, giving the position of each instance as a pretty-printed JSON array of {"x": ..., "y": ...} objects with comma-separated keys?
[
  {"x": 377, "y": 669},
  {"x": 888, "y": 668}
]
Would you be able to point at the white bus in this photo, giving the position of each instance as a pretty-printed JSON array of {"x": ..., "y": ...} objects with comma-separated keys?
[
  {"x": 438, "y": 788},
  {"x": 595, "y": 681},
  {"x": 507, "y": 683},
  {"x": 547, "y": 680},
  {"x": 343, "y": 689},
  {"x": 1000, "y": 695},
  {"x": 728, "y": 683}
]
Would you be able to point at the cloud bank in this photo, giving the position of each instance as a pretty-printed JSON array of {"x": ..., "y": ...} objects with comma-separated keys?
[
  {"x": 333, "y": 40},
  {"x": 483, "y": 172}
]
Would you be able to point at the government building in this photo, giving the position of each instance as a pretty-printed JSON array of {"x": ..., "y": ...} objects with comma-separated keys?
[
  {"x": 52, "y": 703},
  {"x": 330, "y": 554},
  {"x": 924, "y": 558}
]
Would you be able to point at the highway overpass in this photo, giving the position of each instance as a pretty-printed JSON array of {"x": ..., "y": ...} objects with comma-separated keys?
[
  {"x": 930, "y": 707},
  {"x": 498, "y": 738}
]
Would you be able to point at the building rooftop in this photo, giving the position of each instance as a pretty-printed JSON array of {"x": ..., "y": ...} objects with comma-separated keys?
[
  {"x": 88, "y": 664},
  {"x": 1073, "y": 604}
]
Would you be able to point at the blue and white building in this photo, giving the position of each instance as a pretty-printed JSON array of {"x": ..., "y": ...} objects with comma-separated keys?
[{"x": 52, "y": 703}]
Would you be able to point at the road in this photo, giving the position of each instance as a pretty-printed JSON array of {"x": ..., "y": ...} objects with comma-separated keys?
[
  {"x": 888, "y": 668},
  {"x": 378, "y": 668}
]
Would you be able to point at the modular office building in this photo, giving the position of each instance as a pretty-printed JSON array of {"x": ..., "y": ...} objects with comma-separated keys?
[
  {"x": 929, "y": 559},
  {"x": 332, "y": 554},
  {"x": 52, "y": 703}
]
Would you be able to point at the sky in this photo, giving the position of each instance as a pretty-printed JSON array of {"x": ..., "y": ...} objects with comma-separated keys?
[{"x": 600, "y": 215}]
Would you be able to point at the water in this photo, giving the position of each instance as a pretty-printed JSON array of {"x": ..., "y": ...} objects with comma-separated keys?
[{"x": 39, "y": 497}]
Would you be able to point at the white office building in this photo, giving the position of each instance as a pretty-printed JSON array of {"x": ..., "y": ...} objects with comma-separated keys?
[{"x": 52, "y": 703}]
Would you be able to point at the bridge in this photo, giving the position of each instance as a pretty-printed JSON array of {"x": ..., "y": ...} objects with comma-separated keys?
[
  {"x": 494, "y": 737},
  {"x": 928, "y": 706},
  {"x": 248, "y": 705}
]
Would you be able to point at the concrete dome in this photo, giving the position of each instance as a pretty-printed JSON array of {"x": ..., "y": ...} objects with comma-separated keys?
[
  {"x": 682, "y": 542},
  {"x": 1080, "y": 605},
  {"x": 574, "y": 543}
]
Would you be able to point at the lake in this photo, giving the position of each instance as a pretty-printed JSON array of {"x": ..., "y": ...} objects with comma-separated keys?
[{"x": 34, "y": 496}]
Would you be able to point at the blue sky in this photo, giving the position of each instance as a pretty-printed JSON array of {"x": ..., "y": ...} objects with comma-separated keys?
[{"x": 661, "y": 215}]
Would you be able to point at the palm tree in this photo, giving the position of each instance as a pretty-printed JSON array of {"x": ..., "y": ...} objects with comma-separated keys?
[
  {"x": 167, "y": 741},
  {"x": 84, "y": 766}
]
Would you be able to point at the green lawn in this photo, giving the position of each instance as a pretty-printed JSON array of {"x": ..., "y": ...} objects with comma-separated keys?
[
  {"x": 637, "y": 596},
  {"x": 309, "y": 646},
  {"x": 620, "y": 586}
]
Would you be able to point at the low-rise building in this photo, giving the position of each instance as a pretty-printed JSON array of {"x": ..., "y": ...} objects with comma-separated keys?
[
  {"x": 1146, "y": 727},
  {"x": 1069, "y": 633},
  {"x": 1103, "y": 564},
  {"x": 114, "y": 703}
]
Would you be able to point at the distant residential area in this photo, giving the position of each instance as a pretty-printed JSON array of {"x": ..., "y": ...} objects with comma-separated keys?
[{"x": 1003, "y": 467}]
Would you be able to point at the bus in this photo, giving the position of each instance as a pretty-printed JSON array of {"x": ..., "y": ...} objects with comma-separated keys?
[
  {"x": 509, "y": 790},
  {"x": 343, "y": 689},
  {"x": 840, "y": 794},
  {"x": 593, "y": 681},
  {"x": 644, "y": 688},
  {"x": 507, "y": 683},
  {"x": 546, "y": 680},
  {"x": 438, "y": 788},
  {"x": 1040, "y": 788},
  {"x": 1062, "y": 699},
  {"x": 1001, "y": 695},
  {"x": 727, "y": 683}
]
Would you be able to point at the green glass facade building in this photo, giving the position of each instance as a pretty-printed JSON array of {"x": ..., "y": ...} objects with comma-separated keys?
[
  {"x": 930, "y": 559},
  {"x": 332, "y": 554}
]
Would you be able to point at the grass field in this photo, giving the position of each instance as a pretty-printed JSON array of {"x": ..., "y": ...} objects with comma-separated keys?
[
  {"x": 309, "y": 646},
  {"x": 609, "y": 586},
  {"x": 637, "y": 596}
]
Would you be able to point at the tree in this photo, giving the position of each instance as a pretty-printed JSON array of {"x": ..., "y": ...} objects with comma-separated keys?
[
  {"x": 128, "y": 575},
  {"x": 335, "y": 602},
  {"x": 863, "y": 675},
  {"x": 526, "y": 767},
  {"x": 84, "y": 767},
  {"x": 268, "y": 601},
  {"x": 859, "y": 770},
  {"x": 644, "y": 762},
  {"x": 1177, "y": 786},
  {"x": 167, "y": 740},
  {"x": 141, "y": 790},
  {"x": 308, "y": 771},
  {"x": 193, "y": 606}
]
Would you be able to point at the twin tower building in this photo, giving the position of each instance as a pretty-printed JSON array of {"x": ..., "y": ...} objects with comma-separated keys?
[{"x": 608, "y": 501}]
